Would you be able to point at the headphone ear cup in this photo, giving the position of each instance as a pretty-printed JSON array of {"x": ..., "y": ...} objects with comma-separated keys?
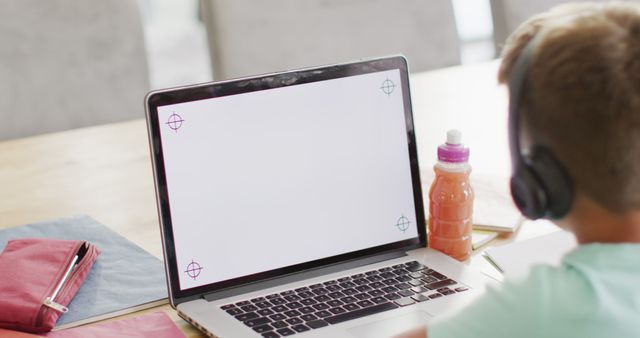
[
  {"x": 527, "y": 193},
  {"x": 553, "y": 180}
]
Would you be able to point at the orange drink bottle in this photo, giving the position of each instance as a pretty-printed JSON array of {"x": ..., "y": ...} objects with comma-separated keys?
[{"x": 451, "y": 200}]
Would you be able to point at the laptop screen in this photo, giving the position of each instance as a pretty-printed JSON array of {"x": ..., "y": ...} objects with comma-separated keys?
[{"x": 268, "y": 179}]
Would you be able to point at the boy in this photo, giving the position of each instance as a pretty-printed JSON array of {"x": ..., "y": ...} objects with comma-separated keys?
[{"x": 582, "y": 103}]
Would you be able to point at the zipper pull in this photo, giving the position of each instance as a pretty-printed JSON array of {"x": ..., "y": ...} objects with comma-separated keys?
[{"x": 58, "y": 307}]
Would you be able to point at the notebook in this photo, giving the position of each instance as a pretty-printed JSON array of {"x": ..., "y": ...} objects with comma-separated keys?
[{"x": 124, "y": 279}]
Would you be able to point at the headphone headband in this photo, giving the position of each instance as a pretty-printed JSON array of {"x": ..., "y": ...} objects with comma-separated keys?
[{"x": 540, "y": 186}]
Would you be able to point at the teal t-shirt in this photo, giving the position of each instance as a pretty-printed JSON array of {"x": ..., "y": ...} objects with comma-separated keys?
[{"x": 594, "y": 293}]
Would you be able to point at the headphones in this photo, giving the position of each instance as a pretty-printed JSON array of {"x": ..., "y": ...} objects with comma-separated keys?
[{"x": 540, "y": 186}]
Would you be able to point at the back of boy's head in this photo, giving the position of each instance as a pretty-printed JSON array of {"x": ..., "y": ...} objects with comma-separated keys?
[{"x": 582, "y": 95}]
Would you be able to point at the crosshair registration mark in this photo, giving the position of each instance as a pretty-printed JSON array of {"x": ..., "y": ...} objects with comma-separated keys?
[
  {"x": 388, "y": 86},
  {"x": 403, "y": 223},
  {"x": 174, "y": 122},
  {"x": 193, "y": 269}
]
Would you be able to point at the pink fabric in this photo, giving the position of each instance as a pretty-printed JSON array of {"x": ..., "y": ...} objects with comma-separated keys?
[
  {"x": 152, "y": 325},
  {"x": 30, "y": 270}
]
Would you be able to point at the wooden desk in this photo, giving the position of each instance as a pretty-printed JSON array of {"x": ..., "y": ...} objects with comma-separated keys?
[{"x": 105, "y": 171}]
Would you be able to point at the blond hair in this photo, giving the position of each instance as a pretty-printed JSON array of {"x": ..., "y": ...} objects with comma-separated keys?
[{"x": 582, "y": 96}]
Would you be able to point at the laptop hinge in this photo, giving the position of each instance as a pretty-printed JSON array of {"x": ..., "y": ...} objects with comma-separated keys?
[{"x": 299, "y": 276}]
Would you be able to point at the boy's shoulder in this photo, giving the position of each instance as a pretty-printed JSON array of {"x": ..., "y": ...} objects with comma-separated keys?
[{"x": 587, "y": 295}]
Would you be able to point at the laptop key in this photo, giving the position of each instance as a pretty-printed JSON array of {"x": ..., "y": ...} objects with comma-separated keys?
[
  {"x": 377, "y": 285},
  {"x": 257, "y": 321},
  {"x": 263, "y": 328},
  {"x": 320, "y": 291},
  {"x": 272, "y": 296},
  {"x": 348, "y": 299},
  {"x": 334, "y": 303},
  {"x": 429, "y": 279},
  {"x": 360, "y": 281},
  {"x": 416, "y": 282},
  {"x": 306, "y": 309},
  {"x": 243, "y": 303},
  {"x": 392, "y": 296},
  {"x": 336, "y": 294},
  {"x": 337, "y": 310},
  {"x": 278, "y": 316},
  {"x": 287, "y": 293},
  {"x": 323, "y": 313},
  {"x": 361, "y": 313},
  {"x": 315, "y": 324},
  {"x": 294, "y": 321},
  {"x": 462, "y": 289},
  {"x": 404, "y": 301},
  {"x": 279, "y": 308},
  {"x": 347, "y": 285},
  {"x": 292, "y": 313},
  {"x": 350, "y": 291},
  {"x": 379, "y": 300},
  {"x": 315, "y": 286},
  {"x": 356, "y": 276},
  {"x": 270, "y": 334},
  {"x": 308, "y": 317},
  {"x": 234, "y": 311},
  {"x": 308, "y": 301},
  {"x": 403, "y": 286},
  {"x": 279, "y": 324},
  {"x": 265, "y": 312},
  {"x": 294, "y": 305},
  {"x": 304, "y": 288},
  {"x": 398, "y": 266},
  {"x": 247, "y": 316},
  {"x": 286, "y": 331},
  {"x": 249, "y": 308},
  {"x": 405, "y": 293},
  {"x": 419, "y": 289},
  {"x": 331, "y": 282},
  {"x": 322, "y": 298},
  {"x": 364, "y": 303},
  {"x": 306, "y": 294},
  {"x": 228, "y": 306},
  {"x": 343, "y": 279},
  {"x": 300, "y": 328},
  {"x": 278, "y": 301},
  {"x": 292, "y": 298},
  {"x": 435, "y": 295},
  {"x": 264, "y": 305},
  {"x": 416, "y": 267},
  {"x": 258, "y": 300},
  {"x": 374, "y": 278},
  {"x": 351, "y": 307},
  {"x": 389, "y": 289},
  {"x": 362, "y": 296},
  {"x": 333, "y": 288},
  {"x": 376, "y": 293},
  {"x": 436, "y": 274},
  {"x": 321, "y": 306},
  {"x": 371, "y": 273},
  {"x": 419, "y": 298},
  {"x": 440, "y": 284}
]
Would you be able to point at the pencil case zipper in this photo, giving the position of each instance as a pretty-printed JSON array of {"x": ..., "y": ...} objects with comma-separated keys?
[{"x": 63, "y": 285}]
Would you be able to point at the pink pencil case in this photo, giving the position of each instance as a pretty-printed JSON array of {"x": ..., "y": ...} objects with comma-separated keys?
[{"x": 38, "y": 279}]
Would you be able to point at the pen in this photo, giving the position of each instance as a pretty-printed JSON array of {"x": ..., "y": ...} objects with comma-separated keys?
[{"x": 49, "y": 301}]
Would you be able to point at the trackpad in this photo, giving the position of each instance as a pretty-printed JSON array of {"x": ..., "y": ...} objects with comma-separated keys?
[{"x": 392, "y": 326}]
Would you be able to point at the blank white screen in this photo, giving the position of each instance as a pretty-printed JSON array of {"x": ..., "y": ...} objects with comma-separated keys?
[{"x": 273, "y": 178}]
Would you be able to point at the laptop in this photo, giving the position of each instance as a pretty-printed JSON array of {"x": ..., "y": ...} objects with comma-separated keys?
[{"x": 290, "y": 204}]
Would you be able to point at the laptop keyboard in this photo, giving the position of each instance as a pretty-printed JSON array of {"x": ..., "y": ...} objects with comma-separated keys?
[{"x": 335, "y": 301}]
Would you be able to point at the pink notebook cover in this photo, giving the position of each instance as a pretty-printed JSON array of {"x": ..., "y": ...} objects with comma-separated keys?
[{"x": 156, "y": 325}]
